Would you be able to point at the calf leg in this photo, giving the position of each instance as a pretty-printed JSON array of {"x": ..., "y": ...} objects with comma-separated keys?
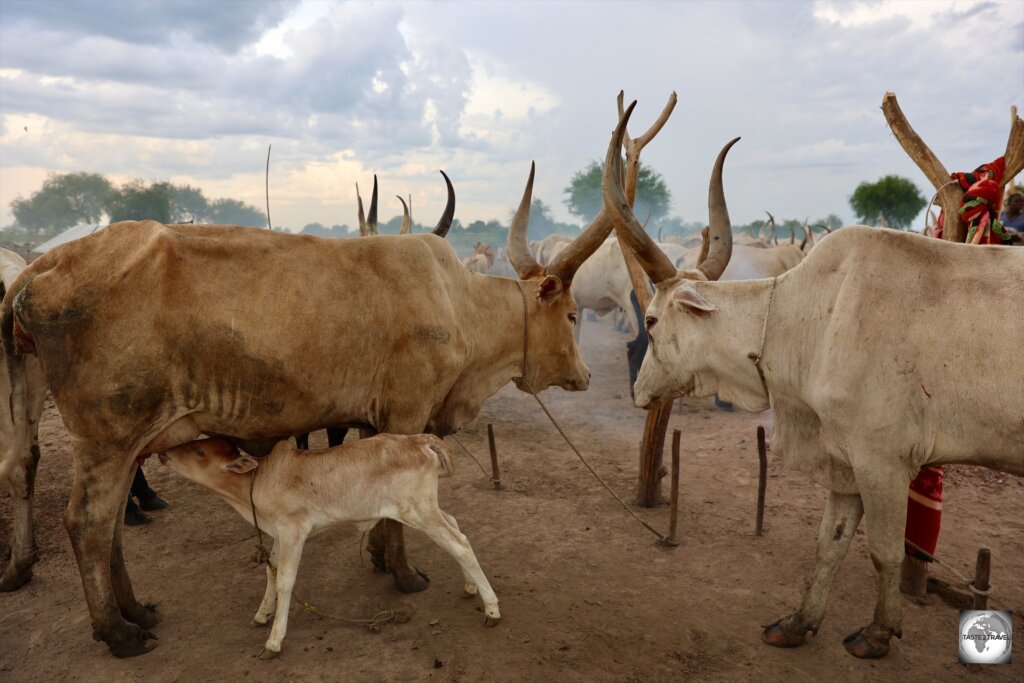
[
  {"x": 269, "y": 603},
  {"x": 885, "y": 504},
  {"x": 131, "y": 609},
  {"x": 97, "y": 500},
  {"x": 291, "y": 543},
  {"x": 434, "y": 523},
  {"x": 23, "y": 543},
  {"x": 838, "y": 527}
]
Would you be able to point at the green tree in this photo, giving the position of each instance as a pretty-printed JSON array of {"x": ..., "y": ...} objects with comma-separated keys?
[
  {"x": 136, "y": 201},
  {"x": 188, "y": 204},
  {"x": 584, "y": 197},
  {"x": 234, "y": 212},
  {"x": 64, "y": 200},
  {"x": 895, "y": 198}
]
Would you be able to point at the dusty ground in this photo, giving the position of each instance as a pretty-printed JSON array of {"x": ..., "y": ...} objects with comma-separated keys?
[{"x": 585, "y": 593}]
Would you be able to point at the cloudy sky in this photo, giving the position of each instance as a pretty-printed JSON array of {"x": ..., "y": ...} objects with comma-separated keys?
[{"x": 193, "y": 91}]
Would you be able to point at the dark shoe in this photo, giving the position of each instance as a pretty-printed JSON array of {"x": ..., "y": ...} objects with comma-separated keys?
[{"x": 154, "y": 503}]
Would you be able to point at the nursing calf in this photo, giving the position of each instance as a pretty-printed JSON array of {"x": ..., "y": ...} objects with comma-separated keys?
[{"x": 297, "y": 494}]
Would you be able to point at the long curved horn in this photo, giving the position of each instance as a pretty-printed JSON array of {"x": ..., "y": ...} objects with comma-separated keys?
[
  {"x": 362, "y": 216},
  {"x": 371, "y": 218},
  {"x": 518, "y": 250},
  {"x": 721, "y": 230},
  {"x": 581, "y": 248},
  {"x": 651, "y": 258},
  {"x": 406, "y": 218},
  {"x": 441, "y": 229},
  {"x": 803, "y": 242}
]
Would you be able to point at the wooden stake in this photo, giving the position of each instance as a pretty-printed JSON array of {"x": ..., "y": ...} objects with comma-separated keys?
[
  {"x": 762, "y": 484},
  {"x": 671, "y": 540},
  {"x": 495, "y": 473},
  {"x": 981, "y": 575},
  {"x": 652, "y": 471}
]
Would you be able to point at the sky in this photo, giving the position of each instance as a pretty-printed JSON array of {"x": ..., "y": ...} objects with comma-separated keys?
[{"x": 193, "y": 91}]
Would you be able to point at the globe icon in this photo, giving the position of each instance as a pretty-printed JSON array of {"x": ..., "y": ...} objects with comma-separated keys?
[{"x": 985, "y": 637}]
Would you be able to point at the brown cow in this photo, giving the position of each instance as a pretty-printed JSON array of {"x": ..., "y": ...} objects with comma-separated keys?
[{"x": 151, "y": 335}]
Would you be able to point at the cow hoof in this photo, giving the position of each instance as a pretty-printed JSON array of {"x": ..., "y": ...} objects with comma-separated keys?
[
  {"x": 143, "y": 615},
  {"x": 259, "y": 624},
  {"x": 863, "y": 646},
  {"x": 134, "y": 642},
  {"x": 412, "y": 582},
  {"x": 777, "y": 636},
  {"x": 14, "y": 578},
  {"x": 379, "y": 563},
  {"x": 491, "y": 622},
  {"x": 269, "y": 654}
]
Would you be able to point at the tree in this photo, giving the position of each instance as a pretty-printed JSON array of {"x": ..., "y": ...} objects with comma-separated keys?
[
  {"x": 64, "y": 200},
  {"x": 137, "y": 202},
  {"x": 188, "y": 204},
  {"x": 896, "y": 199},
  {"x": 234, "y": 212},
  {"x": 584, "y": 197}
]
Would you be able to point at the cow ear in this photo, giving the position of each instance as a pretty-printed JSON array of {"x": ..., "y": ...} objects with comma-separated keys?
[
  {"x": 689, "y": 297},
  {"x": 242, "y": 464},
  {"x": 549, "y": 289}
]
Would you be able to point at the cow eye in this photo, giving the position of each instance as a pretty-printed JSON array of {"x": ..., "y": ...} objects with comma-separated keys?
[
  {"x": 650, "y": 322},
  {"x": 572, "y": 318}
]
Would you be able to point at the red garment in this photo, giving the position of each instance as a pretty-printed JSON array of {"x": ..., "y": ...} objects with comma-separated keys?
[
  {"x": 981, "y": 187},
  {"x": 924, "y": 512}
]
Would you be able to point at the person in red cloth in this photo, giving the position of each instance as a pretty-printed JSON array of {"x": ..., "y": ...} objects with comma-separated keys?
[{"x": 979, "y": 209}]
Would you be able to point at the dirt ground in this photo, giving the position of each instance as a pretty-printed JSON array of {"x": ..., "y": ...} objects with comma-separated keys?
[{"x": 586, "y": 595}]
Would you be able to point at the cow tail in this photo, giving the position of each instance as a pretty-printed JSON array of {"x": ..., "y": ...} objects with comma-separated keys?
[
  {"x": 14, "y": 427},
  {"x": 443, "y": 459}
]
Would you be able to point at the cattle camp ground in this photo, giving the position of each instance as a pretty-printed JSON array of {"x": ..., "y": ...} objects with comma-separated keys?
[{"x": 586, "y": 594}]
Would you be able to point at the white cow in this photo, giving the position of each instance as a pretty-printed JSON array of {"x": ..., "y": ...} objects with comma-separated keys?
[{"x": 871, "y": 368}]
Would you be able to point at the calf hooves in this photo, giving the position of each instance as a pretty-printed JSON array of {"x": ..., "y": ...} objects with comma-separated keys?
[
  {"x": 412, "y": 582},
  {"x": 491, "y": 622},
  {"x": 135, "y": 642},
  {"x": 269, "y": 654},
  {"x": 259, "y": 624},
  {"x": 777, "y": 636},
  {"x": 864, "y": 646},
  {"x": 142, "y": 615},
  {"x": 13, "y": 579}
]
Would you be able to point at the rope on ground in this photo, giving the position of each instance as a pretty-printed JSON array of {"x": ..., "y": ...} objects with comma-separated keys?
[
  {"x": 579, "y": 455},
  {"x": 470, "y": 454},
  {"x": 966, "y": 581}
]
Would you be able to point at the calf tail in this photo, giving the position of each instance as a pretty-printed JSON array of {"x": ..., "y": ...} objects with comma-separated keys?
[
  {"x": 14, "y": 427},
  {"x": 445, "y": 464}
]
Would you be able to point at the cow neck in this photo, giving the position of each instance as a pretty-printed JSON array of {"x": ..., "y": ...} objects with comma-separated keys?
[
  {"x": 758, "y": 355},
  {"x": 526, "y": 334}
]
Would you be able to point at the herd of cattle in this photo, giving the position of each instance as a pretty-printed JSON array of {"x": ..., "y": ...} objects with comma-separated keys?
[{"x": 190, "y": 341}]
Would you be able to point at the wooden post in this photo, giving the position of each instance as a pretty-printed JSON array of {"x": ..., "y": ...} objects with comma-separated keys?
[
  {"x": 673, "y": 517},
  {"x": 981, "y": 574},
  {"x": 495, "y": 472},
  {"x": 914, "y": 576},
  {"x": 762, "y": 482},
  {"x": 652, "y": 471}
]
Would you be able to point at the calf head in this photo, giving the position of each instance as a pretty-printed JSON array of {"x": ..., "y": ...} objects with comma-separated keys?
[
  {"x": 208, "y": 461},
  {"x": 552, "y": 356},
  {"x": 679, "y": 316}
]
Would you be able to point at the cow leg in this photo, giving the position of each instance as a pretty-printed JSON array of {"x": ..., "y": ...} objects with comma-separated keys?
[
  {"x": 406, "y": 578},
  {"x": 290, "y": 542},
  {"x": 435, "y": 524},
  {"x": 838, "y": 527},
  {"x": 885, "y": 509},
  {"x": 269, "y": 602},
  {"x": 302, "y": 441},
  {"x": 131, "y": 609},
  {"x": 24, "y": 553},
  {"x": 377, "y": 545},
  {"x": 97, "y": 499}
]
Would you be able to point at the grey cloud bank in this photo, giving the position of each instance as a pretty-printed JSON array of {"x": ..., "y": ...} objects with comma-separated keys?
[{"x": 195, "y": 91}]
